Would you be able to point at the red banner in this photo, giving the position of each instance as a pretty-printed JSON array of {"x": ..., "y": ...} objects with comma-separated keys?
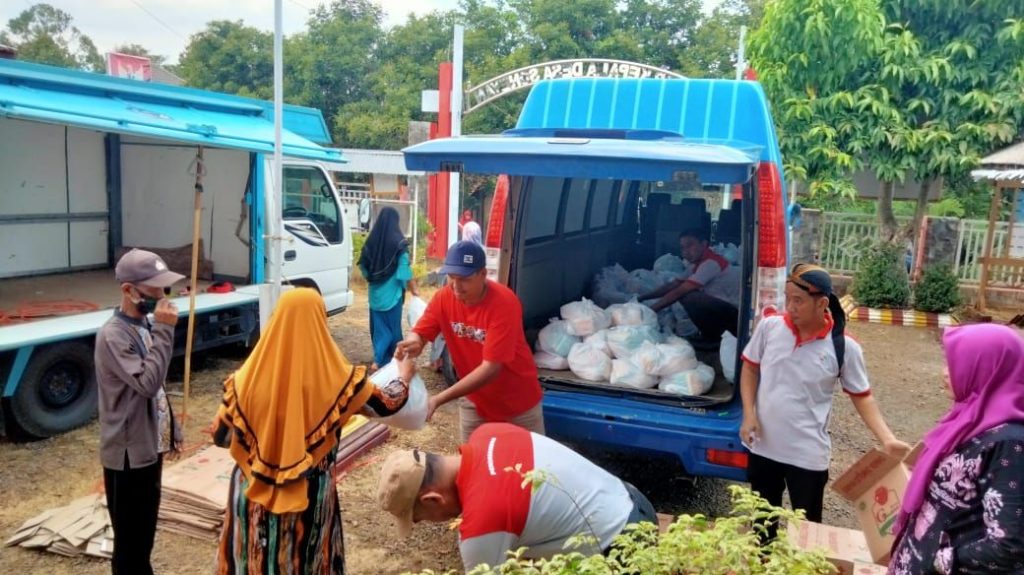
[{"x": 128, "y": 66}]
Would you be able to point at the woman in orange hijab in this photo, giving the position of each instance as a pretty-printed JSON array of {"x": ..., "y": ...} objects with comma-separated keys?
[{"x": 281, "y": 416}]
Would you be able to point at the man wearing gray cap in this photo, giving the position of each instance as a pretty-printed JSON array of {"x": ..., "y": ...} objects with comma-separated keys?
[{"x": 136, "y": 423}]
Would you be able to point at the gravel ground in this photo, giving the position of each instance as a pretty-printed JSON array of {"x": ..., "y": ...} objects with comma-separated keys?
[{"x": 905, "y": 366}]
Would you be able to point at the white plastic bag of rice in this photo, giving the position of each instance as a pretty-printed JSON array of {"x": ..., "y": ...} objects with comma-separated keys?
[
  {"x": 555, "y": 338},
  {"x": 627, "y": 373},
  {"x": 583, "y": 318},
  {"x": 600, "y": 341},
  {"x": 693, "y": 382},
  {"x": 589, "y": 362},
  {"x": 648, "y": 357},
  {"x": 545, "y": 360},
  {"x": 676, "y": 357},
  {"x": 624, "y": 340},
  {"x": 633, "y": 313}
]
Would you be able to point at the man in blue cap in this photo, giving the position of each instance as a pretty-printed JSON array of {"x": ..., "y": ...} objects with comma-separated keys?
[
  {"x": 790, "y": 369},
  {"x": 482, "y": 324}
]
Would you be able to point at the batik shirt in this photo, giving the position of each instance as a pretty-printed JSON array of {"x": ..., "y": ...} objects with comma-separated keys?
[{"x": 972, "y": 517}]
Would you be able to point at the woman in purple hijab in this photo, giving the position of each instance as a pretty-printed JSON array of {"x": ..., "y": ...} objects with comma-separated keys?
[{"x": 963, "y": 511}]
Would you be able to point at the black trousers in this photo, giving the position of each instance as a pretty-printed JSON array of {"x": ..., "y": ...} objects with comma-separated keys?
[
  {"x": 712, "y": 316},
  {"x": 133, "y": 499},
  {"x": 806, "y": 487}
]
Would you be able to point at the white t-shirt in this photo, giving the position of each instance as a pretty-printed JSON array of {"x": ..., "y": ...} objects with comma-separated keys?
[
  {"x": 794, "y": 396},
  {"x": 717, "y": 278}
]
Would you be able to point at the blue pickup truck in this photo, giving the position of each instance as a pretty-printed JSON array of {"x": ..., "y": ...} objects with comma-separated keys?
[{"x": 603, "y": 171}]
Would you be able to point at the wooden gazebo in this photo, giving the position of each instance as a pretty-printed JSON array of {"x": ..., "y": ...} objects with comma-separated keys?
[{"x": 1005, "y": 170}]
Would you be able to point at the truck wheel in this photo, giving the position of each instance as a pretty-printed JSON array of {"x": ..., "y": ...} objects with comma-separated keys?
[
  {"x": 447, "y": 368},
  {"x": 58, "y": 392}
]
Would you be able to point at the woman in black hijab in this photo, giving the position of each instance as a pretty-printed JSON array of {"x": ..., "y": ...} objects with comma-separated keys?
[{"x": 384, "y": 263}]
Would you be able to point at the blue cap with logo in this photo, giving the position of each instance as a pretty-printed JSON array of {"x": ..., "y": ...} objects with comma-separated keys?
[{"x": 463, "y": 259}]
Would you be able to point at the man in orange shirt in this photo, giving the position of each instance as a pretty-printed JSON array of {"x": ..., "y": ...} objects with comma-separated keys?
[{"x": 482, "y": 324}]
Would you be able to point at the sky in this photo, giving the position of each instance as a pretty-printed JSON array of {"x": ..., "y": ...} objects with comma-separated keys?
[{"x": 164, "y": 26}]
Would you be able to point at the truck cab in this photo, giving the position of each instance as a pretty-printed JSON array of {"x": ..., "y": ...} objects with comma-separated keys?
[{"x": 606, "y": 172}]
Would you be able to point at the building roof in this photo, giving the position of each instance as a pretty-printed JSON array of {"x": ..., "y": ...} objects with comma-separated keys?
[{"x": 373, "y": 162}]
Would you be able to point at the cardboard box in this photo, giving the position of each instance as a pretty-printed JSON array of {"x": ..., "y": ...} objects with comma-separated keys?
[
  {"x": 844, "y": 548},
  {"x": 875, "y": 486},
  {"x": 664, "y": 521}
]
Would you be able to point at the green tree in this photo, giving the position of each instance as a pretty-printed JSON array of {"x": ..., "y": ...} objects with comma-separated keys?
[
  {"x": 330, "y": 64},
  {"x": 954, "y": 70},
  {"x": 812, "y": 58},
  {"x": 46, "y": 35},
  {"x": 233, "y": 58},
  {"x": 713, "y": 50},
  {"x": 917, "y": 88}
]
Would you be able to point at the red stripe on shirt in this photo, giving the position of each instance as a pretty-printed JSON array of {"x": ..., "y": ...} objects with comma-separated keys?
[
  {"x": 857, "y": 393},
  {"x": 490, "y": 480}
]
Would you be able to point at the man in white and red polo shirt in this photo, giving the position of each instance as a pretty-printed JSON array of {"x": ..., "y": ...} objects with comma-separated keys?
[
  {"x": 705, "y": 293},
  {"x": 790, "y": 369},
  {"x": 485, "y": 485}
]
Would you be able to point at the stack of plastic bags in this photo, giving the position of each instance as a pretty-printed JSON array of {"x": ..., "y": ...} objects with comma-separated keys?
[{"x": 632, "y": 352}]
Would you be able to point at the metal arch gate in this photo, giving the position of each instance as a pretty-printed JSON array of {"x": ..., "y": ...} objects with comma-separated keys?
[{"x": 523, "y": 78}]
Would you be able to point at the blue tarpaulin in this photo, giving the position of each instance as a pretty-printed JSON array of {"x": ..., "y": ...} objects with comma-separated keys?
[{"x": 55, "y": 95}]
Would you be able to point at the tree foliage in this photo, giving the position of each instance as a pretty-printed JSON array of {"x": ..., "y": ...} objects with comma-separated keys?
[
  {"x": 904, "y": 88},
  {"x": 692, "y": 544},
  {"x": 46, "y": 35}
]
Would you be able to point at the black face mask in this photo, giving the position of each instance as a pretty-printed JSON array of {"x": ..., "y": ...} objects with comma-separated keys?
[{"x": 147, "y": 304}]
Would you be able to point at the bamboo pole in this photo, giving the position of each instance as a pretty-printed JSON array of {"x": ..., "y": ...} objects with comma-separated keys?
[{"x": 193, "y": 279}]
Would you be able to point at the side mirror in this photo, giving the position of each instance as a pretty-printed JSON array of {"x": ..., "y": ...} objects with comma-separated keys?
[
  {"x": 793, "y": 213},
  {"x": 364, "y": 212}
]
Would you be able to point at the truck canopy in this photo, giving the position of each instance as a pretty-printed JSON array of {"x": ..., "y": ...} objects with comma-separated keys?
[{"x": 103, "y": 103}]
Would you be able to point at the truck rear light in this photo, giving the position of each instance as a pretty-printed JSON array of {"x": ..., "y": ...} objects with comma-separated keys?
[
  {"x": 771, "y": 225},
  {"x": 771, "y": 241},
  {"x": 496, "y": 223},
  {"x": 727, "y": 458}
]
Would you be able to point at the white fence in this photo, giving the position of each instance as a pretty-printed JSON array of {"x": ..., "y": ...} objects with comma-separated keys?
[{"x": 845, "y": 237}]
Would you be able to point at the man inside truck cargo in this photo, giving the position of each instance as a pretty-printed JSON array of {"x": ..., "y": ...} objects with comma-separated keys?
[
  {"x": 790, "y": 368},
  {"x": 136, "y": 423},
  {"x": 484, "y": 483},
  {"x": 705, "y": 291},
  {"x": 482, "y": 324}
]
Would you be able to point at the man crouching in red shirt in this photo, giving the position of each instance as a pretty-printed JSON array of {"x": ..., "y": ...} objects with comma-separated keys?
[{"x": 482, "y": 324}]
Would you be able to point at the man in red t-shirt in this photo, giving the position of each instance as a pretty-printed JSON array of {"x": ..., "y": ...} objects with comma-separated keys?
[
  {"x": 501, "y": 511},
  {"x": 482, "y": 324}
]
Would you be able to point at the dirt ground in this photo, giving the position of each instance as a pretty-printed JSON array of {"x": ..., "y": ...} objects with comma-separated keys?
[{"x": 905, "y": 365}]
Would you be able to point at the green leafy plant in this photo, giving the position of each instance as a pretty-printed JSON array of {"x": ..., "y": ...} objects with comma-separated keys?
[
  {"x": 358, "y": 241},
  {"x": 694, "y": 544},
  {"x": 881, "y": 280},
  {"x": 938, "y": 290}
]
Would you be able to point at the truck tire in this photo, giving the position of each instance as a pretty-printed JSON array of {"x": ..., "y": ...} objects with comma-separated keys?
[
  {"x": 58, "y": 392},
  {"x": 447, "y": 368}
]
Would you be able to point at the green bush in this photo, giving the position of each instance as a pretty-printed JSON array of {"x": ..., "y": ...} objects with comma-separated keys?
[
  {"x": 881, "y": 280},
  {"x": 938, "y": 290},
  {"x": 693, "y": 544}
]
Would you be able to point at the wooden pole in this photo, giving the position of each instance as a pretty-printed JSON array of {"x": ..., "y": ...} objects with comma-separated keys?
[
  {"x": 1013, "y": 222},
  {"x": 990, "y": 234},
  {"x": 193, "y": 279}
]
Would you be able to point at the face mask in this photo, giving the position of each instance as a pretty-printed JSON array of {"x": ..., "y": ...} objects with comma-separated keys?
[{"x": 146, "y": 305}]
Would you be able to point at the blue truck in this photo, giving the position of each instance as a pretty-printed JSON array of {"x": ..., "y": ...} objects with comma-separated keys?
[{"x": 605, "y": 171}]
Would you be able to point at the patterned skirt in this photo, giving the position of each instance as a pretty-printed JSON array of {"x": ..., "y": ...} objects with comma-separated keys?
[{"x": 257, "y": 542}]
